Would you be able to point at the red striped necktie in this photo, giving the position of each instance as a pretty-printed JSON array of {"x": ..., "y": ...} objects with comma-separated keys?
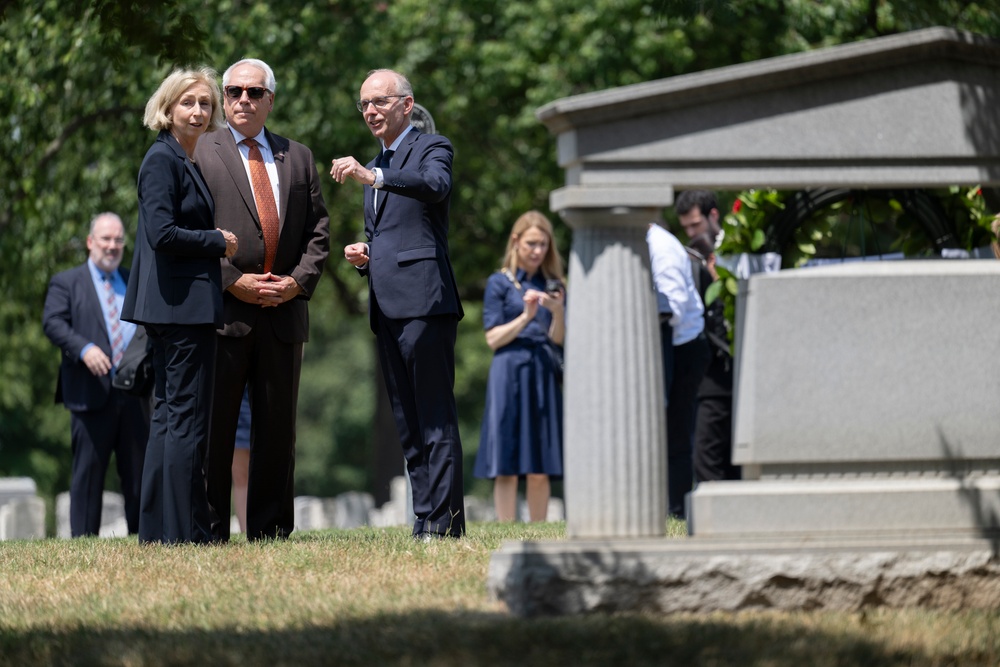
[{"x": 111, "y": 309}]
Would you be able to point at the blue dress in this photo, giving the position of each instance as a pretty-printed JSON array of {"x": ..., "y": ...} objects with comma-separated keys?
[
  {"x": 522, "y": 422},
  {"x": 243, "y": 425}
]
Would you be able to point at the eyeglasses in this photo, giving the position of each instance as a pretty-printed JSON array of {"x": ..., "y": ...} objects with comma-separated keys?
[
  {"x": 381, "y": 103},
  {"x": 253, "y": 92}
]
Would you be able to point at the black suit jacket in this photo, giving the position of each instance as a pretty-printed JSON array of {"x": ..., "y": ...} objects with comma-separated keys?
[
  {"x": 175, "y": 271},
  {"x": 409, "y": 271},
  {"x": 73, "y": 317}
]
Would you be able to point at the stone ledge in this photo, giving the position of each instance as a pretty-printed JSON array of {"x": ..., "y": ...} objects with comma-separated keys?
[
  {"x": 698, "y": 575},
  {"x": 806, "y": 507}
]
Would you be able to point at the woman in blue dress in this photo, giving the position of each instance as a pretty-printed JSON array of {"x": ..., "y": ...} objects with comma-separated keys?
[{"x": 523, "y": 316}]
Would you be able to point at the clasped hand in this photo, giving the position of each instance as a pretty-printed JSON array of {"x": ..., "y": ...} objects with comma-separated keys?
[{"x": 265, "y": 289}]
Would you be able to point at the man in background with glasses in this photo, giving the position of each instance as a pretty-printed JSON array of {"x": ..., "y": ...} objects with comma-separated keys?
[
  {"x": 414, "y": 307},
  {"x": 266, "y": 191},
  {"x": 81, "y": 318}
]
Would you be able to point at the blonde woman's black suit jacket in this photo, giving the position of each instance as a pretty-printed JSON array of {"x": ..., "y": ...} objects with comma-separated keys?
[{"x": 175, "y": 290}]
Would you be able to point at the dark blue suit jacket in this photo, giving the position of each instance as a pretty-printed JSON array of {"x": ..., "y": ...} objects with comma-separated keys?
[
  {"x": 176, "y": 274},
  {"x": 73, "y": 318},
  {"x": 409, "y": 272}
]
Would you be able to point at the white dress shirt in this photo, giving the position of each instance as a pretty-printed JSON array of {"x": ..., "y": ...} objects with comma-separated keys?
[
  {"x": 267, "y": 154},
  {"x": 675, "y": 290}
]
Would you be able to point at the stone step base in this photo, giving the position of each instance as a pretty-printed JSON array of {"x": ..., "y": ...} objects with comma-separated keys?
[
  {"x": 818, "y": 507},
  {"x": 697, "y": 575}
]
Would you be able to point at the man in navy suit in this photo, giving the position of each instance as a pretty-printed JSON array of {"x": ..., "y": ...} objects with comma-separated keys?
[
  {"x": 81, "y": 319},
  {"x": 414, "y": 307}
]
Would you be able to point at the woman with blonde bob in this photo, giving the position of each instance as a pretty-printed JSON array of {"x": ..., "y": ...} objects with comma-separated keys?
[
  {"x": 175, "y": 291},
  {"x": 523, "y": 315}
]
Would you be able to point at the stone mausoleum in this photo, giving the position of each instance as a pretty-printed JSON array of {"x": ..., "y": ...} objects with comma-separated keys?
[{"x": 865, "y": 394}]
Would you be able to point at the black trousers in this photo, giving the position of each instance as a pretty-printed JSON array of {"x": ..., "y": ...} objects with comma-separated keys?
[
  {"x": 683, "y": 369},
  {"x": 174, "y": 506},
  {"x": 271, "y": 368},
  {"x": 120, "y": 427},
  {"x": 418, "y": 362},
  {"x": 713, "y": 440}
]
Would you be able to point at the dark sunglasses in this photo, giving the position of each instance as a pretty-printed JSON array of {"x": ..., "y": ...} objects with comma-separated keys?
[{"x": 253, "y": 92}]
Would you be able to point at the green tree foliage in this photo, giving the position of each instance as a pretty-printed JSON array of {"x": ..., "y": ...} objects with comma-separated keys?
[
  {"x": 77, "y": 75},
  {"x": 69, "y": 118}
]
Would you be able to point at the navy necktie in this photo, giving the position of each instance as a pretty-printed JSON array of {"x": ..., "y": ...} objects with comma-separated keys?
[
  {"x": 381, "y": 162},
  {"x": 384, "y": 158}
]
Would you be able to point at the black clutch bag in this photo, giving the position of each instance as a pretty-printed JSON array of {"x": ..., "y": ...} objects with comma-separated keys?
[{"x": 135, "y": 372}]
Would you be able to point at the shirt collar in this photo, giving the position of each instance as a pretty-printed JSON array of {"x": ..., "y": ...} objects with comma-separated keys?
[
  {"x": 522, "y": 276},
  {"x": 97, "y": 274},
  {"x": 399, "y": 139},
  {"x": 261, "y": 137}
]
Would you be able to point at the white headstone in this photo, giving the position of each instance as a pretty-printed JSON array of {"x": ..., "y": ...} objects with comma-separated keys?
[{"x": 22, "y": 519}]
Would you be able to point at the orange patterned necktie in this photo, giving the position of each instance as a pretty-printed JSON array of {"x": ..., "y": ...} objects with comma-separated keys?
[{"x": 264, "y": 197}]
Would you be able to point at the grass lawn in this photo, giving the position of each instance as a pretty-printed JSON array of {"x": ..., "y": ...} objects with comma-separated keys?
[{"x": 375, "y": 597}]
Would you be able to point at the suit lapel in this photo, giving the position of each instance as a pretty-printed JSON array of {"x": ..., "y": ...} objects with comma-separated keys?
[
  {"x": 230, "y": 156},
  {"x": 199, "y": 183},
  {"x": 93, "y": 302},
  {"x": 402, "y": 153},
  {"x": 399, "y": 159}
]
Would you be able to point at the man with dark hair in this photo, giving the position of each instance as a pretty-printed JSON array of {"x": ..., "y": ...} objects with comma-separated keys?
[
  {"x": 698, "y": 213},
  {"x": 685, "y": 355}
]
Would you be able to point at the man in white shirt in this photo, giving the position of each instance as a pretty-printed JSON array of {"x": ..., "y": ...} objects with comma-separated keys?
[{"x": 685, "y": 356}]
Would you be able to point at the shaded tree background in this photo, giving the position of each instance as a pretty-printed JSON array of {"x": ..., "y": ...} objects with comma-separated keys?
[{"x": 77, "y": 76}]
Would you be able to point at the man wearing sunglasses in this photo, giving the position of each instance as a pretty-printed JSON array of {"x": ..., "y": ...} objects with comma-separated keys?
[
  {"x": 266, "y": 191},
  {"x": 414, "y": 306}
]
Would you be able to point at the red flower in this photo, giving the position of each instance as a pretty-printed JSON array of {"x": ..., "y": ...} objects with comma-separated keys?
[
  {"x": 737, "y": 205},
  {"x": 979, "y": 192}
]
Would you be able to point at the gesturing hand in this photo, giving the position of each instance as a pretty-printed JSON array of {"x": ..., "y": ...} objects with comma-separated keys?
[
  {"x": 347, "y": 167},
  {"x": 356, "y": 254}
]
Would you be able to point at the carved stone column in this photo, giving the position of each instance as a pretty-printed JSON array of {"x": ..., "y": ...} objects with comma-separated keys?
[{"x": 614, "y": 420}]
